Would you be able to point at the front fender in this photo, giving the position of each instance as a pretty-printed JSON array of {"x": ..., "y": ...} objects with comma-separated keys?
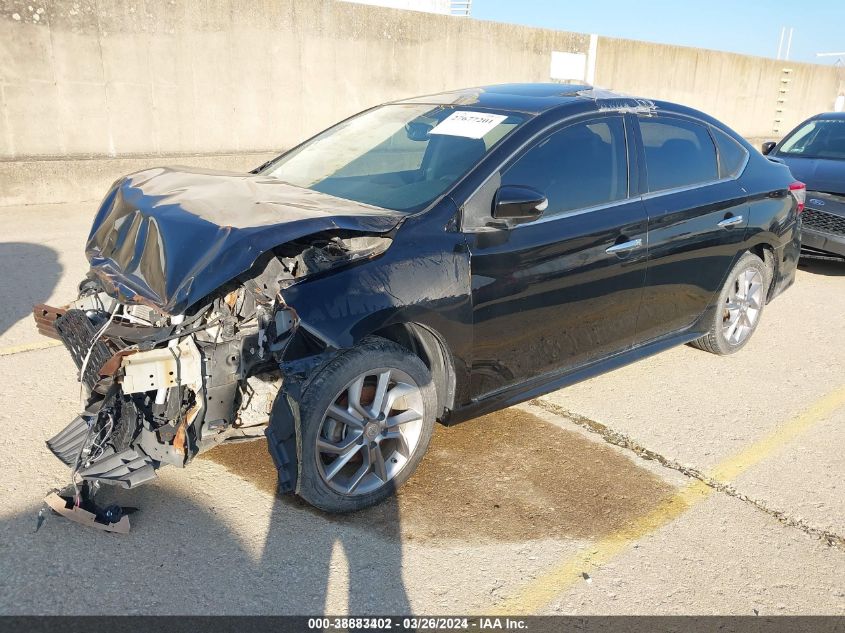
[{"x": 422, "y": 278}]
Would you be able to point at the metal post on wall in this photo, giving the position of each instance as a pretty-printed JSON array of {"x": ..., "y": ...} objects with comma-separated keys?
[
  {"x": 787, "y": 36},
  {"x": 461, "y": 7},
  {"x": 839, "y": 64}
]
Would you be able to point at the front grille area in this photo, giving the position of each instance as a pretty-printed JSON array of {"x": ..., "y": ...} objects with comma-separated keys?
[
  {"x": 823, "y": 221},
  {"x": 77, "y": 332}
]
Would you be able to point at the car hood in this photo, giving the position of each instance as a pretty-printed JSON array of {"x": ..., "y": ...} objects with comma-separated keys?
[
  {"x": 819, "y": 174},
  {"x": 167, "y": 237}
]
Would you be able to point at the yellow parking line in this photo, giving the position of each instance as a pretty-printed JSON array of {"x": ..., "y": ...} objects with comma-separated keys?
[
  {"x": 818, "y": 412},
  {"x": 29, "y": 347},
  {"x": 543, "y": 589}
]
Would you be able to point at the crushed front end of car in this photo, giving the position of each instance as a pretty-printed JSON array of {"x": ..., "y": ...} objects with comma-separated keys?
[
  {"x": 162, "y": 388},
  {"x": 180, "y": 329}
]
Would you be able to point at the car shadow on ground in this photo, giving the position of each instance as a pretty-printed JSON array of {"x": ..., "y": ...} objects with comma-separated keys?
[
  {"x": 509, "y": 477},
  {"x": 28, "y": 275},
  {"x": 184, "y": 557}
]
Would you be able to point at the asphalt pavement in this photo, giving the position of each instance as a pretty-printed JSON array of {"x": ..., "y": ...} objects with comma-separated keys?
[{"x": 683, "y": 484}]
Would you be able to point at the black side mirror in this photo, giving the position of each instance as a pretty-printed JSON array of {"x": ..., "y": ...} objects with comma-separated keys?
[
  {"x": 518, "y": 204},
  {"x": 767, "y": 147}
]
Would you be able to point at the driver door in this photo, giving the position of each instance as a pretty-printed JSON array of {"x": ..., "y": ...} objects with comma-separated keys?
[{"x": 564, "y": 289}]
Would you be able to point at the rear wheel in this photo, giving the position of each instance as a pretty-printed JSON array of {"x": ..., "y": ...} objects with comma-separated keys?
[
  {"x": 741, "y": 304},
  {"x": 367, "y": 419}
]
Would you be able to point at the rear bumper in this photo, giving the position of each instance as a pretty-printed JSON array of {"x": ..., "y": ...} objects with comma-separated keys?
[
  {"x": 823, "y": 224},
  {"x": 785, "y": 264},
  {"x": 824, "y": 244}
]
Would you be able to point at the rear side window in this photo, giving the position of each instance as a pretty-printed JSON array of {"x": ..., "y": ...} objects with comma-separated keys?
[
  {"x": 677, "y": 153},
  {"x": 580, "y": 166},
  {"x": 732, "y": 155}
]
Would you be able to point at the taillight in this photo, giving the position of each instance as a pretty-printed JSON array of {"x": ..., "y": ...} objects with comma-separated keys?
[{"x": 799, "y": 190}]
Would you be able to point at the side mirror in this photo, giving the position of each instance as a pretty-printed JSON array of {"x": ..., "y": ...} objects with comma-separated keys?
[
  {"x": 767, "y": 147},
  {"x": 518, "y": 204}
]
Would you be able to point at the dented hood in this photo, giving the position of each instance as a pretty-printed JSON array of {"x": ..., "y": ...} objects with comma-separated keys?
[{"x": 167, "y": 237}]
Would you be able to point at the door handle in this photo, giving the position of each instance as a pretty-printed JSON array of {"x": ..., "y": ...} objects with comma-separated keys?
[
  {"x": 624, "y": 247},
  {"x": 729, "y": 222}
]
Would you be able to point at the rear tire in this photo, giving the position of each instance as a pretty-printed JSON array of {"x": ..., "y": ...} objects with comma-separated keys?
[
  {"x": 367, "y": 419},
  {"x": 741, "y": 304}
]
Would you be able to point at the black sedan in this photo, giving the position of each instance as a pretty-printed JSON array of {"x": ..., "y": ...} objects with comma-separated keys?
[
  {"x": 815, "y": 153},
  {"x": 431, "y": 259}
]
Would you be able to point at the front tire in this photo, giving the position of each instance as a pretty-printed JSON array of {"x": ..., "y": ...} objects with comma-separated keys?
[
  {"x": 367, "y": 419},
  {"x": 741, "y": 304}
]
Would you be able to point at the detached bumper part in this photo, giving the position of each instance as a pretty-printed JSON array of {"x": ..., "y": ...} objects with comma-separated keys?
[
  {"x": 68, "y": 442},
  {"x": 282, "y": 444},
  {"x": 110, "y": 519},
  {"x": 45, "y": 319},
  {"x": 77, "y": 332},
  {"x": 128, "y": 468}
]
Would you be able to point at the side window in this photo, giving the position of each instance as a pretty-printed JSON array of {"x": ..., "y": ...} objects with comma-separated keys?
[
  {"x": 732, "y": 155},
  {"x": 678, "y": 153},
  {"x": 582, "y": 165}
]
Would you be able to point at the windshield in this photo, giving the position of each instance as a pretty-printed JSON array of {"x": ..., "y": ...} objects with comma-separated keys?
[
  {"x": 398, "y": 157},
  {"x": 822, "y": 138}
]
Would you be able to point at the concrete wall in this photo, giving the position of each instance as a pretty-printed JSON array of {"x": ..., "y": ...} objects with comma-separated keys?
[
  {"x": 740, "y": 90},
  {"x": 431, "y": 6},
  {"x": 97, "y": 78},
  {"x": 226, "y": 82}
]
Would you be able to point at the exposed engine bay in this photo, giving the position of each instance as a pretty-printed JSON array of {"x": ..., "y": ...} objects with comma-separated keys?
[{"x": 159, "y": 388}]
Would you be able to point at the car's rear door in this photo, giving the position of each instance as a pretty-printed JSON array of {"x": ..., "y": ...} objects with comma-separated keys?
[
  {"x": 697, "y": 216},
  {"x": 564, "y": 289}
]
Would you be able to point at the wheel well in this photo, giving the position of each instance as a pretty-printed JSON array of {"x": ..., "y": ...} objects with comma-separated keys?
[
  {"x": 431, "y": 349},
  {"x": 767, "y": 253}
]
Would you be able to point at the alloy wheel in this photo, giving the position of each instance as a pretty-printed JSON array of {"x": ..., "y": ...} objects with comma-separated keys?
[
  {"x": 370, "y": 431},
  {"x": 743, "y": 306}
]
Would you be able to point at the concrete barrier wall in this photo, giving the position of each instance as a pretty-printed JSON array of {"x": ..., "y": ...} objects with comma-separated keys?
[
  {"x": 162, "y": 76},
  {"x": 745, "y": 92},
  {"x": 225, "y": 82}
]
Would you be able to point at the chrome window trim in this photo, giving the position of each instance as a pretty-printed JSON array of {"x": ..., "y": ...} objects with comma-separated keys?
[
  {"x": 643, "y": 197},
  {"x": 552, "y": 218},
  {"x": 574, "y": 212}
]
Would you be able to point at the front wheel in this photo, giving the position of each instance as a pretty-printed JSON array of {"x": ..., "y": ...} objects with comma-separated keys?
[
  {"x": 367, "y": 419},
  {"x": 741, "y": 304}
]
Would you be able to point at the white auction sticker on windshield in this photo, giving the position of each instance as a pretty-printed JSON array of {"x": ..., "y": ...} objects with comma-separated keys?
[{"x": 468, "y": 124}]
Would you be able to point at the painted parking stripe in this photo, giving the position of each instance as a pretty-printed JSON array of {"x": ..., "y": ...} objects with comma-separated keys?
[
  {"x": 29, "y": 347},
  {"x": 543, "y": 589}
]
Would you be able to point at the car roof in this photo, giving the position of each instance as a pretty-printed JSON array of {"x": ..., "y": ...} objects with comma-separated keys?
[
  {"x": 533, "y": 98},
  {"x": 830, "y": 115}
]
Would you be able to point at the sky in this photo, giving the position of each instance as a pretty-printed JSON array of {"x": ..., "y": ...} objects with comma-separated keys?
[{"x": 751, "y": 27}]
